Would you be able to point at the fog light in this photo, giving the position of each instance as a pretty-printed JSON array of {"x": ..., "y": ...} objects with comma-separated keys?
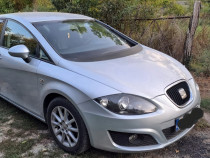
[{"x": 133, "y": 138}]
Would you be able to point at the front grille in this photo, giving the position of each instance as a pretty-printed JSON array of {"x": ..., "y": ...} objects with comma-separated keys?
[
  {"x": 124, "y": 139},
  {"x": 171, "y": 132},
  {"x": 173, "y": 93}
]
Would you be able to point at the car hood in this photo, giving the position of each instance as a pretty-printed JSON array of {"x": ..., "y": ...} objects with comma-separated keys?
[{"x": 146, "y": 73}]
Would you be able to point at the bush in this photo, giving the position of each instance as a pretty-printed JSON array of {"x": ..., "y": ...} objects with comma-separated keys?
[
  {"x": 113, "y": 11},
  {"x": 7, "y": 6},
  {"x": 10, "y": 6},
  {"x": 205, "y": 103},
  {"x": 200, "y": 63},
  {"x": 40, "y": 6}
]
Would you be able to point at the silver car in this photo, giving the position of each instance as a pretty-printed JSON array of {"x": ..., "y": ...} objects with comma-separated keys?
[{"x": 93, "y": 85}]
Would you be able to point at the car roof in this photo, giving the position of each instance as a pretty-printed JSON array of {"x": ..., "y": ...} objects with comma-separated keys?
[{"x": 46, "y": 16}]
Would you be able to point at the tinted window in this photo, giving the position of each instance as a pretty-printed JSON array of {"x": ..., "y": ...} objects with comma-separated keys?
[
  {"x": 72, "y": 37},
  {"x": 16, "y": 34}
]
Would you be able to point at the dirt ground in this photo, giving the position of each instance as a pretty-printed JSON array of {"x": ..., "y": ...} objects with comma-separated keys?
[
  {"x": 204, "y": 84},
  {"x": 21, "y": 135}
]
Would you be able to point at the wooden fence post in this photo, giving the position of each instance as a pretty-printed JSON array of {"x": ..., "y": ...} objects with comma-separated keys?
[{"x": 191, "y": 32}]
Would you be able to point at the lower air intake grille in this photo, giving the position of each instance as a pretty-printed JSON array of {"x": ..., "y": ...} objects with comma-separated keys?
[
  {"x": 171, "y": 132},
  {"x": 132, "y": 139},
  {"x": 174, "y": 93}
]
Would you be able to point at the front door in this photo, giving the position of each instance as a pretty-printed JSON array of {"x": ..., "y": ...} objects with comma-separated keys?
[{"x": 18, "y": 79}]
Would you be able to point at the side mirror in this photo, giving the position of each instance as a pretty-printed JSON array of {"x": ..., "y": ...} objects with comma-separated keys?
[{"x": 20, "y": 51}]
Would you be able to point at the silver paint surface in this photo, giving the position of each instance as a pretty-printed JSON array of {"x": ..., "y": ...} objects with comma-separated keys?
[{"x": 146, "y": 74}]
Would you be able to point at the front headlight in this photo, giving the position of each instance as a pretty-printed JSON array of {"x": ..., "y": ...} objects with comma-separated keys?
[{"x": 126, "y": 104}]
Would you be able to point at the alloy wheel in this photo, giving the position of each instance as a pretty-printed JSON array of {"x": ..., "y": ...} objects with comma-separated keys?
[{"x": 64, "y": 126}]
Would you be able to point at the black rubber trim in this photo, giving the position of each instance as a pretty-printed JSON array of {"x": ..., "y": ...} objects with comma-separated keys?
[
  {"x": 171, "y": 132},
  {"x": 173, "y": 93},
  {"x": 92, "y": 56},
  {"x": 123, "y": 139}
]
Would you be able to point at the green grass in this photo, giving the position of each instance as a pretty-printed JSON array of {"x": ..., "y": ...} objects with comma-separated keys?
[
  {"x": 13, "y": 149},
  {"x": 205, "y": 103},
  {"x": 202, "y": 124},
  {"x": 51, "y": 154},
  {"x": 20, "y": 118},
  {"x": 6, "y": 110},
  {"x": 22, "y": 123}
]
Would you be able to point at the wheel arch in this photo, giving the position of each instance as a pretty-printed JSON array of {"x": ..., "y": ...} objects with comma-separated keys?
[
  {"x": 47, "y": 101},
  {"x": 54, "y": 94},
  {"x": 50, "y": 96}
]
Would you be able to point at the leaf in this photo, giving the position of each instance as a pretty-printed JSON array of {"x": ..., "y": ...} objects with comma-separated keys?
[{"x": 24, "y": 142}]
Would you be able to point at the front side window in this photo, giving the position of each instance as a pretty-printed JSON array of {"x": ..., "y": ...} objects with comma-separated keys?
[
  {"x": 78, "y": 38},
  {"x": 16, "y": 34}
]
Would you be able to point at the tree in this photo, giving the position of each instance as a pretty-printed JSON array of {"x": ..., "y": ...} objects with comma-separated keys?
[
  {"x": 60, "y": 4},
  {"x": 114, "y": 12},
  {"x": 118, "y": 9},
  {"x": 7, "y": 6},
  {"x": 21, "y": 4},
  {"x": 43, "y": 5}
]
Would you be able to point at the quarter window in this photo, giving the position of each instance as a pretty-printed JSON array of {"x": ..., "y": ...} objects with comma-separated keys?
[
  {"x": 16, "y": 34},
  {"x": 43, "y": 55}
]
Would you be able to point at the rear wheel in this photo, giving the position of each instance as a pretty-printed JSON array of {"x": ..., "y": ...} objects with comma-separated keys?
[{"x": 67, "y": 127}]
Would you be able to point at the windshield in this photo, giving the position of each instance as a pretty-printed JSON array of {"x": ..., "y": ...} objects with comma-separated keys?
[{"x": 72, "y": 37}]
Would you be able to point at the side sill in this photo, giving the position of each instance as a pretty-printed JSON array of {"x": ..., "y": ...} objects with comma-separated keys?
[{"x": 23, "y": 109}]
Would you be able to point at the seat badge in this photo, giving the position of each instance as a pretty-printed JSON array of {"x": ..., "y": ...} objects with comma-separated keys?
[{"x": 182, "y": 93}]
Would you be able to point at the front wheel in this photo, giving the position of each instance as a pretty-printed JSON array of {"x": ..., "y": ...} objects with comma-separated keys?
[{"x": 67, "y": 127}]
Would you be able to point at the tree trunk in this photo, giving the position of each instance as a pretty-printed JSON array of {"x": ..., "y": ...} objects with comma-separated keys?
[
  {"x": 191, "y": 32},
  {"x": 34, "y": 6}
]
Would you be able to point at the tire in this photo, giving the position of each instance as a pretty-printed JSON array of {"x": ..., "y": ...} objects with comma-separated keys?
[{"x": 70, "y": 136}]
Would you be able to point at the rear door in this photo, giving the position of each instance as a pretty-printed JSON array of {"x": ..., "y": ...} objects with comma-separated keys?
[{"x": 18, "y": 79}]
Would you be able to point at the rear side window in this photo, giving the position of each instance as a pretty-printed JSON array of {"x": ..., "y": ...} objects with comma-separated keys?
[{"x": 16, "y": 34}]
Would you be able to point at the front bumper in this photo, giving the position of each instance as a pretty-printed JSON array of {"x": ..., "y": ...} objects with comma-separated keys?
[{"x": 100, "y": 121}]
